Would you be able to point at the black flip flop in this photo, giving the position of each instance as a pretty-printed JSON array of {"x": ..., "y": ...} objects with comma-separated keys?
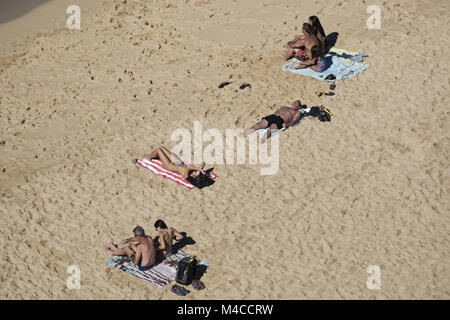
[{"x": 223, "y": 84}]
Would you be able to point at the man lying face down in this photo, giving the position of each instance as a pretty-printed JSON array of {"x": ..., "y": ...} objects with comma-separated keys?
[
  {"x": 141, "y": 249},
  {"x": 284, "y": 117}
]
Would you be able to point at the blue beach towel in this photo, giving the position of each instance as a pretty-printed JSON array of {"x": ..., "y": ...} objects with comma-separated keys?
[{"x": 341, "y": 63}]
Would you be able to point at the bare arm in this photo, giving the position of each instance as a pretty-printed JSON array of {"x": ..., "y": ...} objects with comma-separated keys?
[
  {"x": 195, "y": 168},
  {"x": 128, "y": 240},
  {"x": 296, "y": 43},
  {"x": 177, "y": 235}
]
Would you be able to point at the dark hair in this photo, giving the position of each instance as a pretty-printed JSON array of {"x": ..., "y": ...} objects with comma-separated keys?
[
  {"x": 200, "y": 181},
  {"x": 315, "y": 52},
  {"x": 308, "y": 28},
  {"x": 159, "y": 223},
  {"x": 316, "y": 24},
  {"x": 139, "y": 231}
]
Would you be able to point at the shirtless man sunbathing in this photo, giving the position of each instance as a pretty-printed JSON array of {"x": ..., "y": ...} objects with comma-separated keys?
[
  {"x": 140, "y": 248},
  {"x": 165, "y": 237},
  {"x": 282, "y": 118}
]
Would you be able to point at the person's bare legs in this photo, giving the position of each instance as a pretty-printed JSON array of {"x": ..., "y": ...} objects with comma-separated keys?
[
  {"x": 260, "y": 125},
  {"x": 166, "y": 152},
  {"x": 153, "y": 155},
  {"x": 315, "y": 68},
  {"x": 289, "y": 54},
  {"x": 119, "y": 252},
  {"x": 268, "y": 133},
  {"x": 161, "y": 154}
]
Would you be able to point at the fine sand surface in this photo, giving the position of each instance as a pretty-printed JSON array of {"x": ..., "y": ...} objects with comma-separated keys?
[{"x": 369, "y": 188}]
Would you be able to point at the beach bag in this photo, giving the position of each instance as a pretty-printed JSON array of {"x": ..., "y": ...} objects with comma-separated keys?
[
  {"x": 324, "y": 114},
  {"x": 185, "y": 271}
]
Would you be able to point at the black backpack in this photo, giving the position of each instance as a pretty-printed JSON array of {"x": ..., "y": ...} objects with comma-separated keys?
[
  {"x": 185, "y": 271},
  {"x": 322, "y": 113}
]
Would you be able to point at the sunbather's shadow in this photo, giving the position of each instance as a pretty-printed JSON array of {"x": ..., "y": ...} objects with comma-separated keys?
[
  {"x": 330, "y": 40},
  {"x": 200, "y": 270},
  {"x": 186, "y": 241},
  {"x": 204, "y": 183}
]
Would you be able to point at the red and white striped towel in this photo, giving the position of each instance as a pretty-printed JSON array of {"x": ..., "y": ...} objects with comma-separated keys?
[{"x": 155, "y": 166}]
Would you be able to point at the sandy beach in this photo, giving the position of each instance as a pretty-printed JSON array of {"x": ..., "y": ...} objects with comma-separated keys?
[{"x": 371, "y": 187}]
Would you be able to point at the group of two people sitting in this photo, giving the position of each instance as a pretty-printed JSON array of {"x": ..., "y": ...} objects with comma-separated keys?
[
  {"x": 310, "y": 47},
  {"x": 144, "y": 250}
]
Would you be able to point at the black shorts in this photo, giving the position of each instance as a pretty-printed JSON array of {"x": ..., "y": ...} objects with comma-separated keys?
[{"x": 273, "y": 118}]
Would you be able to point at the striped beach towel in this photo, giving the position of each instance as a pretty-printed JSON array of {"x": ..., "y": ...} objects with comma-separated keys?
[
  {"x": 155, "y": 166},
  {"x": 160, "y": 275}
]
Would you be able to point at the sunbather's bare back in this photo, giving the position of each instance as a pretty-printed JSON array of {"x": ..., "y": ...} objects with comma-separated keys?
[
  {"x": 146, "y": 250},
  {"x": 167, "y": 236}
]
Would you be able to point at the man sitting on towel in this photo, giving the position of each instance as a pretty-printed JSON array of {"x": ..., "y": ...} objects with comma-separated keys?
[
  {"x": 282, "y": 118},
  {"x": 140, "y": 246}
]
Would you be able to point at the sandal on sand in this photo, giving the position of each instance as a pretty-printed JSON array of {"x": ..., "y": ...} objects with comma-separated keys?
[
  {"x": 245, "y": 85},
  {"x": 179, "y": 291},
  {"x": 223, "y": 84},
  {"x": 198, "y": 285}
]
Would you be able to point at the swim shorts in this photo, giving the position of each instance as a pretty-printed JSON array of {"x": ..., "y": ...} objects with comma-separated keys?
[{"x": 273, "y": 118}]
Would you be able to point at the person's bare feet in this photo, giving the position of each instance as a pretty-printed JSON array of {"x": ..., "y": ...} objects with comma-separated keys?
[
  {"x": 264, "y": 138},
  {"x": 247, "y": 132},
  {"x": 109, "y": 251}
]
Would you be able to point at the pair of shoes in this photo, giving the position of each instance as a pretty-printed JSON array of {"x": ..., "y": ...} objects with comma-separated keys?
[
  {"x": 198, "y": 285},
  {"x": 243, "y": 86},
  {"x": 179, "y": 291},
  {"x": 331, "y": 93}
]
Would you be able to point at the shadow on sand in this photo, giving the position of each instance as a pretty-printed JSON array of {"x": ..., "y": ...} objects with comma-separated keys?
[
  {"x": 186, "y": 241},
  {"x": 330, "y": 40},
  {"x": 10, "y": 10}
]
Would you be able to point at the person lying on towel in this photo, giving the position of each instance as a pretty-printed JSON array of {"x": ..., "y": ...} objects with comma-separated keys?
[
  {"x": 170, "y": 161},
  {"x": 164, "y": 239},
  {"x": 282, "y": 118},
  {"x": 141, "y": 249}
]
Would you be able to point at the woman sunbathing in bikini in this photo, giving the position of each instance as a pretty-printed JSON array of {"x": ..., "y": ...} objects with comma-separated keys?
[{"x": 172, "y": 162}]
